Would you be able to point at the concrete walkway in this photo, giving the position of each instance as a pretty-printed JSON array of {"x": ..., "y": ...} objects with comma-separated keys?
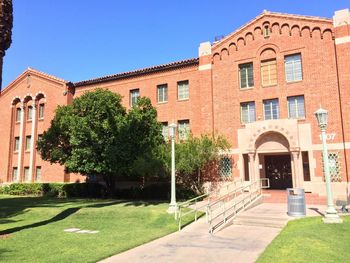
[{"x": 236, "y": 243}]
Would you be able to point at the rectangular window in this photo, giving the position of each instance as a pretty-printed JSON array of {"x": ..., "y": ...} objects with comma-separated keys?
[
  {"x": 16, "y": 148},
  {"x": 271, "y": 109},
  {"x": 165, "y": 130},
  {"x": 26, "y": 174},
  {"x": 246, "y": 77},
  {"x": 134, "y": 95},
  {"x": 28, "y": 139},
  {"x": 269, "y": 72},
  {"x": 248, "y": 112},
  {"x": 30, "y": 113},
  {"x": 18, "y": 114},
  {"x": 15, "y": 174},
  {"x": 184, "y": 129},
  {"x": 293, "y": 68},
  {"x": 182, "y": 90},
  {"x": 38, "y": 174},
  {"x": 162, "y": 93},
  {"x": 41, "y": 111},
  {"x": 296, "y": 107},
  {"x": 225, "y": 166}
]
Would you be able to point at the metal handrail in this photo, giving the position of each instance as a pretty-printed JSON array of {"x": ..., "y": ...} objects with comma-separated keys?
[
  {"x": 179, "y": 213},
  {"x": 230, "y": 210}
]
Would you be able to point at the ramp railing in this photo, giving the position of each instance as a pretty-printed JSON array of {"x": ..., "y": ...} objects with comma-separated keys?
[{"x": 225, "y": 208}]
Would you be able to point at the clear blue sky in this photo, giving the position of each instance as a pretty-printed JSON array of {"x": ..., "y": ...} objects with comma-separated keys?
[{"x": 83, "y": 39}]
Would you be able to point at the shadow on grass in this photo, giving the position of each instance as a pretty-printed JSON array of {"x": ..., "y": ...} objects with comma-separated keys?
[
  {"x": 62, "y": 215},
  {"x": 144, "y": 202}
]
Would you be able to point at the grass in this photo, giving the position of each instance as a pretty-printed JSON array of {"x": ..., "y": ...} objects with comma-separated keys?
[
  {"x": 31, "y": 228},
  {"x": 310, "y": 240}
]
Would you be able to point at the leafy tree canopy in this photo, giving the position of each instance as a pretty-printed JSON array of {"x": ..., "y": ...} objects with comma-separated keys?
[{"x": 97, "y": 136}]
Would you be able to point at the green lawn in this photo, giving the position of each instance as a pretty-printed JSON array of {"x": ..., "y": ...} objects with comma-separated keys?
[
  {"x": 31, "y": 228},
  {"x": 310, "y": 240}
]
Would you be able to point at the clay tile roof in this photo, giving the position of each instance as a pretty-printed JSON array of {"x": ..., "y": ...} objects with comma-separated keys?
[
  {"x": 45, "y": 74},
  {"x": 139, "y": 72}
]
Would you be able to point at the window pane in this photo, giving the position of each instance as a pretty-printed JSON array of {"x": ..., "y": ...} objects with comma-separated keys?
[
  {"x": 296, "y": 107},
  {"x": 248, "y": 112},
  {"x": 38, "y": 173},
  {"x": 271, "y": 109},
  {"x": 134, "y": 95},
  {"x": 18, "y": 114},
  {"x": 293, "y": 68},
  {"x": 162, "y": 91},
  {"x": 182, "y": 90},
  {"x": 26, "y": 174},
  {"x": 28, "y": 138},
  {"x": 41, "y": 111},
  {"x": 269, "y": 72},
  {"x": 246, "y": 75},
  {"x": 184, "y": 129},
  {"x": 165, "y": 130},
  {"x": 30, "y": 113},
  {"x": 15, "y": 174}
]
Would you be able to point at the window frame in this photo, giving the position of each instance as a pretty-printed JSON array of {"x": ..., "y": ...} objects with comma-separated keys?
[
  {"x": 30, "y": 113},
  {"x": 28, "y": 142},
  {"x": 183, "y": 135},
  {"x": 36, "y": 173},
  {"x": 301, "y": 68},
  {"x": 271, "y": 109},
  {"x": 41, "y": 111},
  {"x": 16, "y": 145},
  {"x": 131, "y": 92},
  {"x": 297, "y": 109},
  {"x": 26, "y": 172},
  {"x": 18, "y": 114},
  {"x": 188, "y": 90},
  {"x": 263, "y": 63},
  {"x": 248, "y": 103},
  {"x": 165, "y": 127},
  {"x": 240, "y": 67},
  {"x": 164, "y": 93},
  {"x": 15, "y": 178}
]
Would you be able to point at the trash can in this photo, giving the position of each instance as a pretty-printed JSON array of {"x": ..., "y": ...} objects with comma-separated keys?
[{"x": 296, "y": 202}]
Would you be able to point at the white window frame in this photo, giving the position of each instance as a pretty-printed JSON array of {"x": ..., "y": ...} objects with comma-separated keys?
[
  {"x": 41, "y": 110},
  {"x": 183, "y": 90},
  {"x": 18, "y": 114},
  {"x": 249, "y": 104},
  {"x": 30, "y": 113},
  {"x": 271, "y": 108},
  {"x": 165, "y": 130},
  {"x": 244, "y": 67},
  {"x": 16, "y": 148},
  {"x": 162, "y": 93},
  {"x": 38, "y": 168},
  {"x": 134, "y": 95},
  {"x": 296, "y": 65},
  {"x": 26, "y": 174},
  {"x": 294, "y": 98},
  {"x": 15, "y": 174},
  {"x": 183, "y": 129},
  {"x": 268, "y": 65},
  {"x": 28, "y": 142}
]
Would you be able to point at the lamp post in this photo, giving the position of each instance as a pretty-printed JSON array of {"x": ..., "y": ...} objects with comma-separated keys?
[
  {"x": 172, "y": 206},
  {"x": 331, "y": 214}
]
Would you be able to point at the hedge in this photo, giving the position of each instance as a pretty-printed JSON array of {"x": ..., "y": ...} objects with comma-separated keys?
[
  {"x": 158, "y": 191},
  {"x": 54, "y": 189}
]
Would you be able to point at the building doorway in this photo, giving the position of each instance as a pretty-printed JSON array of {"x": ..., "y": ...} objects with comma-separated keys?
[{"x": 279, "y": 171}]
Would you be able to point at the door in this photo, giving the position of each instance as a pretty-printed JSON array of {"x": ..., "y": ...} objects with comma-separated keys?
[{"x": 278, "y": 170}]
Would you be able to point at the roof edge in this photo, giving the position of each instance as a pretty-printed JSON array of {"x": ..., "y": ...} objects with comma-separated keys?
[{"x": 140, "y": 72}]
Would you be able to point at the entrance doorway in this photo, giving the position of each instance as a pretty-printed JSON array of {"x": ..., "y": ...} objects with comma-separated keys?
[{"x": 278, "y": 170}]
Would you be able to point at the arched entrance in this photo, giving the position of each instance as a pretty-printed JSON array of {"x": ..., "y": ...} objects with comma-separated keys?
[{"x": 274, "y": 157}]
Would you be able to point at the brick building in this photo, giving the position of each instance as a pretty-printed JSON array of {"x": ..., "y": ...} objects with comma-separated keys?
[{"x": 258, "y": 86}]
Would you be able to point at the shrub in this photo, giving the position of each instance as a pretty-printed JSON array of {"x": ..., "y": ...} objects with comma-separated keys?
[{"x": 60, "y": 190}]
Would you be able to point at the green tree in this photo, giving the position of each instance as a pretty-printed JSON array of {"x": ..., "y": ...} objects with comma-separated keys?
[
  {"x": 97, "y": 136},
  {"x": 197, "y": 160}
]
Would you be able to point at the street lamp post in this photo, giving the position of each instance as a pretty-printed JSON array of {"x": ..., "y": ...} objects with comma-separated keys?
[
  {"x": 331, "y": 214},
  {"x": 172, "y": 206}
]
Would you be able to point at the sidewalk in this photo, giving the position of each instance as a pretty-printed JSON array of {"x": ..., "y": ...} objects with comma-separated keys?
[{"x": 236, "y": 243}]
